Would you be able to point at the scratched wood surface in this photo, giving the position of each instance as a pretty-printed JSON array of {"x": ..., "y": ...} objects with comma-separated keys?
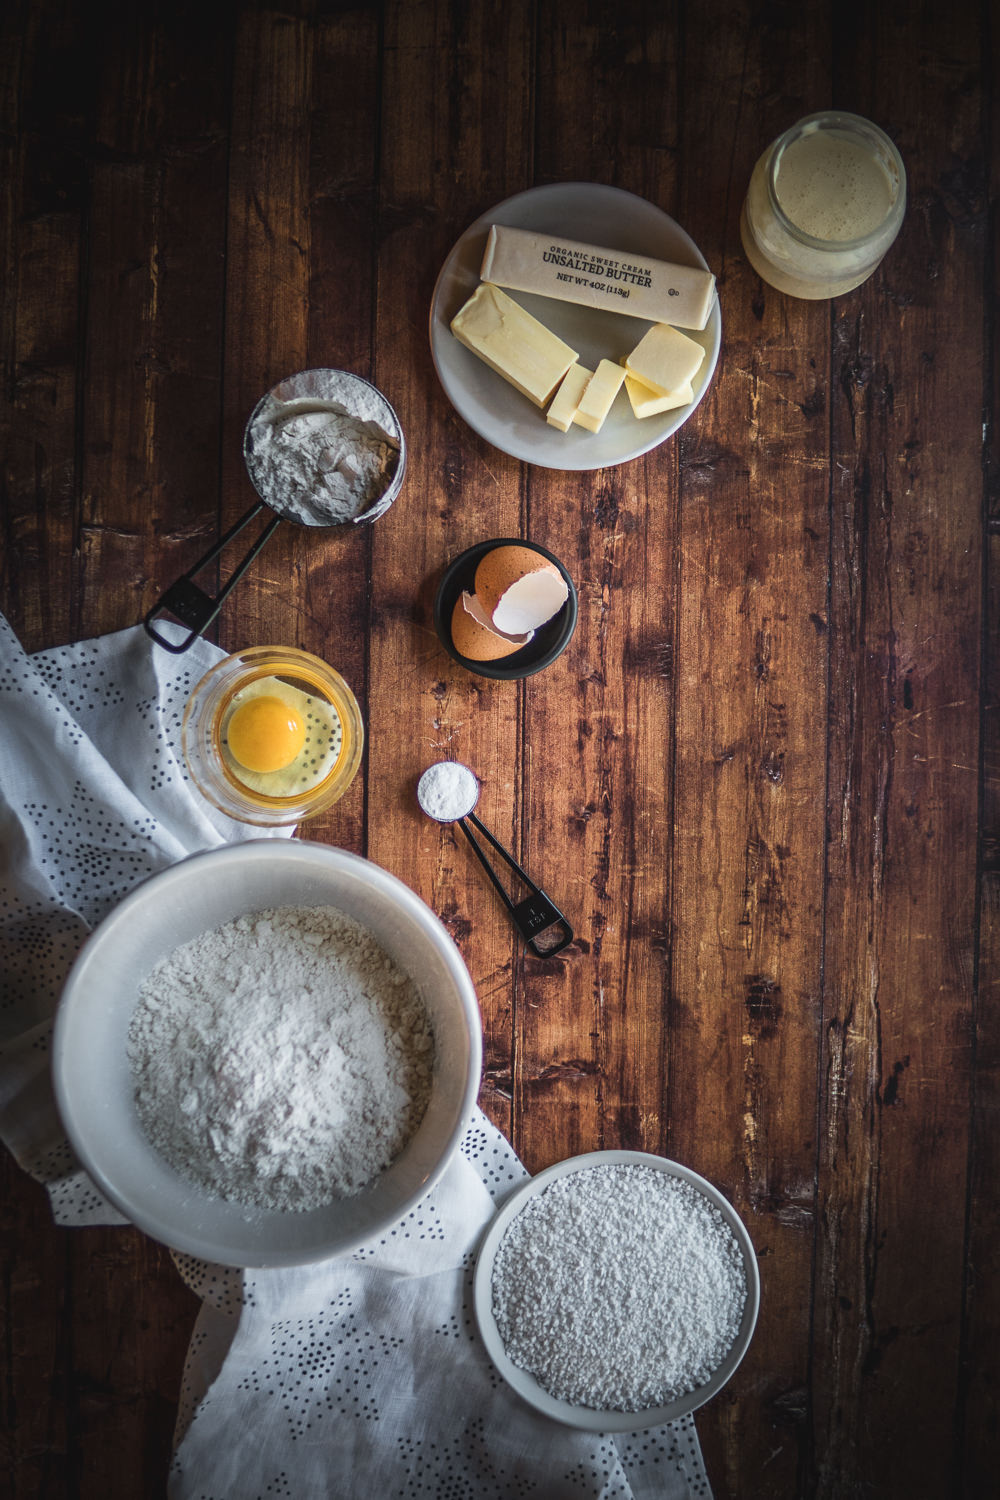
[{"x": 762, "y": 780}]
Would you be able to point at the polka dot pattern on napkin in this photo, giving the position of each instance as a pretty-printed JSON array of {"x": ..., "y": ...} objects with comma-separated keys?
[{"x": 94, "y": 798}]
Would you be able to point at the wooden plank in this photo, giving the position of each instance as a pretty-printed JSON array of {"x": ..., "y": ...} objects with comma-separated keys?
[
  {"x": 751, "y": 733},
  {"x": 44, "y": 184},
  {"x": 34, "y": 1381},
  {"x": 977, "y": 1434},
  {"x": 902, "y": 805},
  {"x": 331, "y": 571},
  {"x": 597, "y": 792},
  {"x": 149, "y": 445},
  {"x": 450, "y": 74},
  {"x": 299, "y": 266},
  {"x": 44, "y": 202},
  {"x": 266, "y": 295},
  {"x": 131, "y": 1324},
  {"x": 154, "y": 316}
]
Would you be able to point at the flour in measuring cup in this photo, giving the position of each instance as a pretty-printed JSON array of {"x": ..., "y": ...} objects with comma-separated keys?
[
  {"x": 281, "y": 1060},
  {"x": 322, "y": 460}
]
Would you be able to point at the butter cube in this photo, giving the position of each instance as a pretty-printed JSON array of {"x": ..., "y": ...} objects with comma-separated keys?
[
  {"x": 512, "y": 342},
  {"x": 567, "y": 397},
  {"x": 647, "y": 403},
  {"x": 665, "y": 359},
  {"x": 597, "y": 399}
]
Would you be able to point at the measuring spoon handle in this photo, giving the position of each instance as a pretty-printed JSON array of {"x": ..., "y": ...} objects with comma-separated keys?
[
  {"x": 189, "y": 603},
  {"x": 536, "y": 914}
]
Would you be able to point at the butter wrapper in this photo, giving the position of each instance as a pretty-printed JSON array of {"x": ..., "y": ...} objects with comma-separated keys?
[{"x": 567, "y": 269}]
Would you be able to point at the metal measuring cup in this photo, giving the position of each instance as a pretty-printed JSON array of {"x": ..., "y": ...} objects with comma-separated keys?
[
  {"x": 535, "y": 915},
  {"x": 307, "y": 393}
]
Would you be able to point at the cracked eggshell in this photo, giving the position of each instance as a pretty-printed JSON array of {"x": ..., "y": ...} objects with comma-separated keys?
[
  {"x": 518, "y": 589},
  {"x": 473, "y": 636}
]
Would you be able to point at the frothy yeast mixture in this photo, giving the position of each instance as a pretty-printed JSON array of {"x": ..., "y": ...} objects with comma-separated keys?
[{"x": 832, "y": 188}]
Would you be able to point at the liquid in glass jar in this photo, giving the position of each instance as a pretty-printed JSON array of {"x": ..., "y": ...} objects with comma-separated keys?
[{"x": 825, "y": 202}]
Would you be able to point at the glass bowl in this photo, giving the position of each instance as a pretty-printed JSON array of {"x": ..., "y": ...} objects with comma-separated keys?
[{"x": 334, "y": 725}]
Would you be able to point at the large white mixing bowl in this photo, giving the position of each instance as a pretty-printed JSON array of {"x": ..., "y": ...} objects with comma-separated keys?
[{"x": 93, "y": 1080}]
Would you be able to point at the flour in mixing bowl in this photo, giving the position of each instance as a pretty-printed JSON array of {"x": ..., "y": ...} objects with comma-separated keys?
[{"x": 281, "y": 1060}]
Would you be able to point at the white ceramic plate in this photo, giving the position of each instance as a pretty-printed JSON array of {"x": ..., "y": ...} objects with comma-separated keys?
[
  {"x": 492, "y": 407},
  {"x": 585, "y": 1416}
]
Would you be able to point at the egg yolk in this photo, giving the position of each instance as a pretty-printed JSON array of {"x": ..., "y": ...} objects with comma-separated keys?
[{"x": 265, "y": 734}]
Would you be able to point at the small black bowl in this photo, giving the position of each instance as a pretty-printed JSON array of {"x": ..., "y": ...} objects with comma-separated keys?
[{"x": 548, "y": 642}]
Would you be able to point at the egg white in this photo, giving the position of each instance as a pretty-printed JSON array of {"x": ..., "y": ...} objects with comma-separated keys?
[{"x": 316, "y": 759}]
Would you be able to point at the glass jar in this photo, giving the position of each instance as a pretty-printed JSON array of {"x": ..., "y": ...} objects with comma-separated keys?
[
  {"x": 316, "y": 777},
  {"x": 824, "y": 203}
]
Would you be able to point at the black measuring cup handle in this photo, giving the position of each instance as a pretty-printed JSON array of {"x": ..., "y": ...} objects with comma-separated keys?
[
  {"x": 189, "y": 603},
  {"x": 533, "y": 916}
]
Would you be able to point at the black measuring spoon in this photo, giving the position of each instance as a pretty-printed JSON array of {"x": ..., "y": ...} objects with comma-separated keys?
[{"x": 534, "y": 916}]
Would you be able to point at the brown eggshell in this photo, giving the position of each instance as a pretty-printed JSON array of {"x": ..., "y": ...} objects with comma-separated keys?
[
  {"x": 476, "y": 641},
  {"x": 503, "y": 566}
]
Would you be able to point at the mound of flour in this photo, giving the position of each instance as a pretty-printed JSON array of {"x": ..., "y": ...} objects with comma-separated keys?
[
  {"x": 323, "y": 460},
  {"x": 281, "y": 1060}
]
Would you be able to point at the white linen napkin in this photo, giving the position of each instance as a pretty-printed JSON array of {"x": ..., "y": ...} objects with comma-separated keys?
[
  {"x": 365, "y": 1375},
  {"x": 360, "y": 1375},
  {"x": 93, "y": 798}
]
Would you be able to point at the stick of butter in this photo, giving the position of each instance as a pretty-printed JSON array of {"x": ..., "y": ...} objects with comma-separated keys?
[
  {"x": 598, "y": 398},
  {"x": 567, "y": 397},
  {"x": 665, "y": 359},
  {"x": 512, "y": 342},
  {"x": 565, "y": 268}
]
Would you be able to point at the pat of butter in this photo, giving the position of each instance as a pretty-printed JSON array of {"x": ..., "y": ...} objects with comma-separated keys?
[
  {"x": 512, "y": 342},
  {"x": 648, "y": 403},
  {"x": 567, "y": 397},
  {"x": 665, "y": 359},
  {"x": 597, "y": 399},
  {"x": 558, "y": 266}
]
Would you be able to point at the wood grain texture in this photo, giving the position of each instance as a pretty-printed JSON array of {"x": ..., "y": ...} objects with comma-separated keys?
[
  {"x": 900, "y": 934},
  {"x": 451, "y": 73},
  {"x": 763, "y": 779}
]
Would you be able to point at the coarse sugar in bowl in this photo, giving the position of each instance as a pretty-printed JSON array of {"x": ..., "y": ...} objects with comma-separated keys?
[{"x": 272, "y": 735}]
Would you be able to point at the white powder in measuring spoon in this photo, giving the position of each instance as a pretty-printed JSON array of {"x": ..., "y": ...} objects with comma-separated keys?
[
  {"x": 322, "y": 460},
  {"x": 447, "y": 790},
  {"x": 281, "y": 1060},
  {"x": 619, "y": 1288}
]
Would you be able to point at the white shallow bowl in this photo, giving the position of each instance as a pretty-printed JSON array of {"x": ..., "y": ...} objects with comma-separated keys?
[
  {"x": 588, "y": 1417},
  {"x": 600, "y": 215},
  {"x": 93, "y": 1080}
]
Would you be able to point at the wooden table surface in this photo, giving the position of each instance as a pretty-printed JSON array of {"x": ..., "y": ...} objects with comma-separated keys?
[{"x": 759, "y": 778}]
